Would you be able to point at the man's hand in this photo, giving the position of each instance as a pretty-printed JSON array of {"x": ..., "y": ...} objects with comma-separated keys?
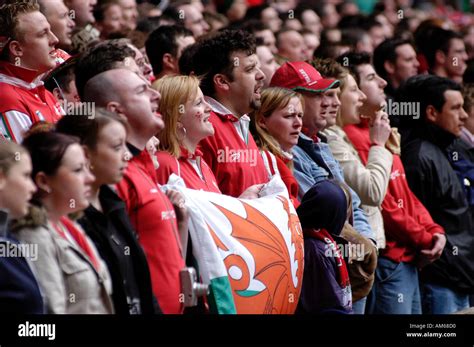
[
  {"x": 178, "y": 202},
  {"x": 252, "y": 192},
  {"x": 439, "y": 241}
]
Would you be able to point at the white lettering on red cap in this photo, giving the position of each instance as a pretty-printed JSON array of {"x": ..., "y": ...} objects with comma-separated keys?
[{"x": 305, "y": 75}]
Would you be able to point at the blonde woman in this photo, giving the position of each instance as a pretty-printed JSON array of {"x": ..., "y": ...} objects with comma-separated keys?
[
  {"x": 186, "y": 116},
  {"x": 276, "y": 126}
]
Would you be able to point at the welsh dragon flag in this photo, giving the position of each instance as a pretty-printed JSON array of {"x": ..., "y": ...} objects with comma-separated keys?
[{"x": 249, "y": 252}]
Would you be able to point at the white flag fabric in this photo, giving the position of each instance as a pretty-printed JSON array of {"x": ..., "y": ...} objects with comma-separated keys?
[{"x": 250, "y": 252}]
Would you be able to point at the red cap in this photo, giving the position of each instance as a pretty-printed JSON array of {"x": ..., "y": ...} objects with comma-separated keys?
[{"x": 300, "y": 76}]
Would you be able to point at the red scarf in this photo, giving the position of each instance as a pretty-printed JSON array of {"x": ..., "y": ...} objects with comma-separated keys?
[
  {"x": 314, "y": 137},
  {"x": 80, "y": 239},
  {"x": 325, "y": 236}
]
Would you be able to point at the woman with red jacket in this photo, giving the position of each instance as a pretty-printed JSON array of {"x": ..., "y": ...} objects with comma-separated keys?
[{"x": 186, "y": 116}]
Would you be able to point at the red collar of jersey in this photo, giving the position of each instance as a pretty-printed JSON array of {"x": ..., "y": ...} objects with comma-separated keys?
[
  {"x": 315, "y": 138},
  {"x": 188, "y": 155},
  {"x": 22, "y": 73},
  {"x": 364, "y": 122},
  {"x": 229, "y": 117}
]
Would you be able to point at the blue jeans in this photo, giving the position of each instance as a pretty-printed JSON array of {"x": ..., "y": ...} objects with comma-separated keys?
[
  {"x": 441, "y": 300},
  {"x": 358, "y": 307},
  {"x": 396, "y": 289}
]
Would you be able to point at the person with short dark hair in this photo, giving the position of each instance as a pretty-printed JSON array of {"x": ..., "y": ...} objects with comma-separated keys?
[
  {"x": 190, "y": 16},
  {"x": 446, "y": 54},
  {"x": 269, "y": 17},
  {"x": 263, "y": 32},
  {"x": 311, "y": 41},
  {"x": 105, "y": 56},
  {"x": 395, "y": 61},
  {"x": 83, "y": 11},
  {"x": 447, "y": 282},
  {"x": 164, "y": 47},
  {"x": 331, "y": 50},
  {"x": 108, "y": 18},
  {"x": 186, "y": 60},
  {"x": 129, "y": 13},
  {"x": 27, "y": 51},
  {"x": 232, "y": 81},
  {"x": 328, "y": 14},
  {"x": 358, "y": 39},
  {"x": 309, "y": 19},
  {"x": 59, "y": 17},
  {"x": 375, "y": 30},
  {"x": 290, "y": 45},
  {"x": 234, "y": 10},
  {"x": 216, "y": 21},
  {"x": 61, "y": 82},
  {"x": 267, "y": 60}
]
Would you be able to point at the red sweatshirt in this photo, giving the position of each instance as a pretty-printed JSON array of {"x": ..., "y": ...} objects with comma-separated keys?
[
  {"x": 24, "y": 101},
  {"x": 154, "y": 220},
  {"x": 408, "y": 226},
  {"x": 183, "y": 167},
  {"x": 236, "y": 164}
]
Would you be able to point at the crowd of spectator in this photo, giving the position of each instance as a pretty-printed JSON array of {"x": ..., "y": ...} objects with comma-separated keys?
[{"x": 364, "y": 109}]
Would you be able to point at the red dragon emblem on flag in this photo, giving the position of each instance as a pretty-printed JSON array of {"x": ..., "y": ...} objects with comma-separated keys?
[{"x": 271, "y": 283}]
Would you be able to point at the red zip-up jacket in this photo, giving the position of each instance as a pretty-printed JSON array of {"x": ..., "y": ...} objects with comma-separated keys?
[
  {"x": 278, "y": 164},
  {"x": 183, "y": 168},
  {"x": 154, "y": 220},
  {"x": 24, "y": 101},
  {"x": 237, "y": 165},
  {"x": 408, "y": 226}
]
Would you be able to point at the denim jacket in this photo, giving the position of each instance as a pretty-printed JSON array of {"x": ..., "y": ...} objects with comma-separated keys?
[{"x": 314, "y": 162}]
